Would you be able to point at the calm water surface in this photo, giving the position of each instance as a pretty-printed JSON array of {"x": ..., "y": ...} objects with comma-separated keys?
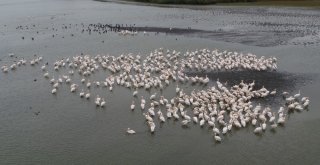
[{"x": 69, "y": 130}]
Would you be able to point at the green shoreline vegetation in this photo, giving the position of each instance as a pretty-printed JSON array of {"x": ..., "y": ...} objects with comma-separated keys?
[
  {"x": 192, "y": 2},
  {"x": 292, "y": 3}
]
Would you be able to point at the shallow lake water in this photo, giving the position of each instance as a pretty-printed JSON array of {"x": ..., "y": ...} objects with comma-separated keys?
[{"x": 69, "y": 130}]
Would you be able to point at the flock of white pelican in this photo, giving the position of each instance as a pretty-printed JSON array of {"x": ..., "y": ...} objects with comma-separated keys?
[
  {"x": 131, "y": 33},
  {"x": 218, "y": 106},
  {"x": 127, "y": 32}
]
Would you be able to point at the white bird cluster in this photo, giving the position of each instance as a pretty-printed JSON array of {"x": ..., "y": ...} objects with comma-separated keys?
[
  {"x": 127, "y": 32},
  {"x": 156, "y": 70},
  {"x": 206, "y": 60},
  {"x": 21, "y": 62},
  {"x": 159, "y": 68},
  {"x": 293, "y": 102},
  {"x": 223, "y": 109},
  {"x": 218, "y": 107}
]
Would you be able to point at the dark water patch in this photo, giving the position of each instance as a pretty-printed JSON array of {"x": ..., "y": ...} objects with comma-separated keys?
[
  {"x": 254, "y": 38},
  {"x": 281, "y": 81}
]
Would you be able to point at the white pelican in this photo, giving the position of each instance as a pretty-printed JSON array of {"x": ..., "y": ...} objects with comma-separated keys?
[
  {"x": 264, "y": 125},
  {"x": 216, "y": 130},
  {"x": 73, "y": 88},
  {"x": 87, "y": 95},
  {"x": 148, "y": 118},
  {"x": 306, "y": 104},
  {"x": 202, "y": 122},
  {"x": 132, "y": 105},
  {"x": 46, "y": 75},
  {"x": 177, "y": 89},
  {"x": 130, "y": 131},
  {"x": 217, "y": 138},
  {"x": 297, "y": 95},
  {"x": 303, "y": 99},
  {"x": 258, "y": 130},
  {"x": 97, "y": 101},
  {"x": 103, "y": 102},
  {"x": 281, "y": 120},
  {"x": 162, "y": 119},
  {"x": 224, "y": 130},
  {"x": 273, "y": 92},
  {"x": 152, "y": 97},
  {"x": 185, "y": 122},
  {"x": 272, "y": 118},
  {"x": 142, "y": 106},
  {"x": 81, "y": 93},
  {"x": 54, "y": 91},
  {"x": 88, "y": 84},
  {"x": 52, "y": 80},
  {"x": 274, "y": 125},
  {"x": 195, "y": 119},
  {"x": 135, "y": 93},
  {"x": 285, "y": 93},
  {"x": 151, "y": 111},
  {"x": 43, "y": 67},
  {"x": 152, "y": 126}
]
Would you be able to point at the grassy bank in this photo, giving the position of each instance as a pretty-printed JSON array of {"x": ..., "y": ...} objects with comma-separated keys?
[
  {"x": 293, "y": 3},
  {"x": 194, "y": 2}
]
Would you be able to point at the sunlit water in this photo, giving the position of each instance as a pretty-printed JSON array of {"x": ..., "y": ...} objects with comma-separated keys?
[{"x": 69, "y": 130}]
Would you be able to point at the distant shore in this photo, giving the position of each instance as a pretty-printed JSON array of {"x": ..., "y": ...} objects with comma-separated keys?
[
  {"x": 294, "y": 3},
  {"x": 273, "y": 3}
]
